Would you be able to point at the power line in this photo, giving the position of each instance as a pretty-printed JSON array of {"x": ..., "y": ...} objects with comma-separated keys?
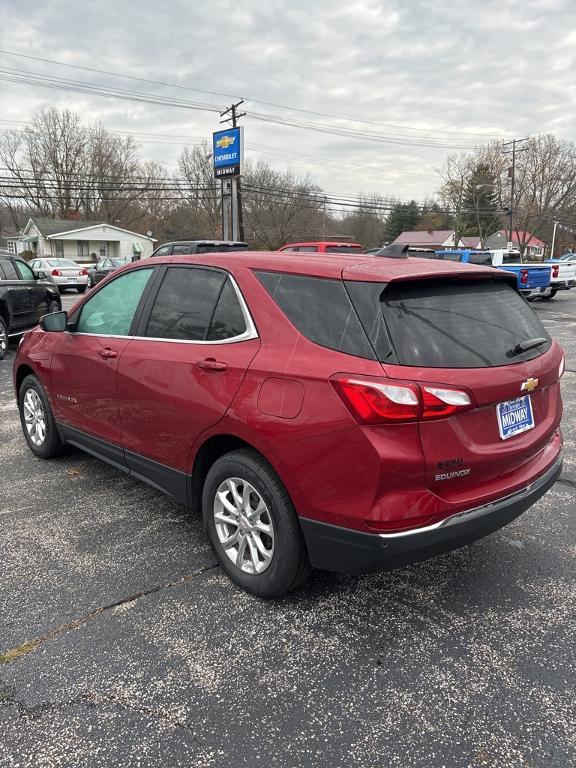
[{"x": 251, "y": 99}]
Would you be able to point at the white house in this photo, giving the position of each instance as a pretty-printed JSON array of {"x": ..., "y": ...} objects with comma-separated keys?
[{"x": 79, "y": 240}]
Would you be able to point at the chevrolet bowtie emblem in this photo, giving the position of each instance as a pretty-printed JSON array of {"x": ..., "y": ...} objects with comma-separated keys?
[
  {"x": 529, "y": 385},
  {"x": 225, "y": 142}
]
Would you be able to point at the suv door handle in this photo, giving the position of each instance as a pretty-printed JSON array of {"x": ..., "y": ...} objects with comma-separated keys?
[
  {"x": 210, "y": 364},
  {"x": 107, "y": 353}
]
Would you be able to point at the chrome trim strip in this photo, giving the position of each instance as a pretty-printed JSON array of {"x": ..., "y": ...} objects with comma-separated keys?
[
  {"x": 249, "y": 333},
  {"x": 485, "y": 509}
]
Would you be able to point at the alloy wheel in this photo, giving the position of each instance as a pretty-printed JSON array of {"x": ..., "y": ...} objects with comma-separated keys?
[
  {"x": 34, "y": 417},
  {"x": 3, "y": 340},
  {"x": 244, "y": 525}
]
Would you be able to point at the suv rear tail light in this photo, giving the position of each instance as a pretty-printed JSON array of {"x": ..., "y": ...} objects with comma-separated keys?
[
  {"x": 524, "y": 276},
  {"x": 56, "y": 273},
  {"x": 555, "y": 270},
  {"x": 391, "y": 400}
]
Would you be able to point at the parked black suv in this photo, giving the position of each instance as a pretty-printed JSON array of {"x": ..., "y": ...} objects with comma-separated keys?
[
  {"x": 200, "y": 246},
  {"x": 24, "y": 297}
]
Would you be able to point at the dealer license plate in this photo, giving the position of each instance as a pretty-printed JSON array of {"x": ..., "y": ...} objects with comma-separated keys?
[{"x": 515, "y": 416}]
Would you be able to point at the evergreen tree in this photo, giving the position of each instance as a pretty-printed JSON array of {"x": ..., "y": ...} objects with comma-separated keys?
[
  {"x": 481, "y": 213},
  {"x": 403, "y": 217}
]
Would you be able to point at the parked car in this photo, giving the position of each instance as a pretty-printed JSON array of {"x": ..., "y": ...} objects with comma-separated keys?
[
  {"x": 103, "y": 268},
  {"x": 567, "y": 257},
  {"x": 64, "y": 273},
  {"x": 24, "y": 297},
  {"x": 345, "y": 414},
  {"x": 533, "y": 280},
  {"x": 562, "y": 278},
  {"x": 179, "y": 247},
  {"x": 323, "y": 246}
]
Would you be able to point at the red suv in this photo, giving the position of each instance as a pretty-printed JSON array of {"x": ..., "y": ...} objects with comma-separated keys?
[
  {"x": 324, "y": 246},
  {"x": 348, "y": 414}
]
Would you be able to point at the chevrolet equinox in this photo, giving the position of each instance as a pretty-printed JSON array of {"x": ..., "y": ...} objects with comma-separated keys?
[{"x": 347, "y": 413}]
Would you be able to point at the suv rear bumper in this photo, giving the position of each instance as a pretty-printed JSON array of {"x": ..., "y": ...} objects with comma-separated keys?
[{"x": 332, "y": 548}]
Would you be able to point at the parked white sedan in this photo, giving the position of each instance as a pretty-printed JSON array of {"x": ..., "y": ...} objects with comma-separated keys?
[{"x": 65, "y": 273}]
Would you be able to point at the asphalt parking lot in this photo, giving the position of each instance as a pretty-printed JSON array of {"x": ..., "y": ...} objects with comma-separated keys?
[{"x": 124, "y": 644}]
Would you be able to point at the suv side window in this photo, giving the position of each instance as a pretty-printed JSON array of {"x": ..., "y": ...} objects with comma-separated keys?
[
  {"x": 185, "y": 303},
  {"x": 307, "y": 249},
  {"x": 9, "y": 270},
  {"x": 176, "y": 249},
  {"x": 228, "y": 320},
  {"x": 321, "y": 310},
  {"x": 24, "y": 270},
  {"x": 2, "y": 274},
  {"x": 111, "y": 310}
]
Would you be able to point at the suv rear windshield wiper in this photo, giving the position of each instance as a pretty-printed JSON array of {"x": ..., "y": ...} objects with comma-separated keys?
[{"x": 525, "y": 346}]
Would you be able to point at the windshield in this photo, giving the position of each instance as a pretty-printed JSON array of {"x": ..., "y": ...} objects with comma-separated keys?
[
  {"x": 440, "y": 324},
  {"x": 62, "y": 263},
  {"x": 343, "y": 249}
]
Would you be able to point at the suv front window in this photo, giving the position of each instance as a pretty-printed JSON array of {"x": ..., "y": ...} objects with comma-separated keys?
[{"x": 111, "y": 310}]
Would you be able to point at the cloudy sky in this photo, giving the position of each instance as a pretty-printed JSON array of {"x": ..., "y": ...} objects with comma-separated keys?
[{"x": 386, "y": 88}]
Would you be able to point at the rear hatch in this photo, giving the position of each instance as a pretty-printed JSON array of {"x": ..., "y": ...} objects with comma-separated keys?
[{"x": 467, "y": 339}]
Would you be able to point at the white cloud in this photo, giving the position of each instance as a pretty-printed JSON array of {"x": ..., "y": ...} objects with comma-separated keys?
[{"x": 502, "y": 67}]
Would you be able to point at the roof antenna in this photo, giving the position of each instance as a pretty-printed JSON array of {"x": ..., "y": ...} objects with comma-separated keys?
[{"x": 394, "y": 251}]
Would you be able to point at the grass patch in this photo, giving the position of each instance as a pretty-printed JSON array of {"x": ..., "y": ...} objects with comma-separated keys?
[{"x": 18, "y": 652}]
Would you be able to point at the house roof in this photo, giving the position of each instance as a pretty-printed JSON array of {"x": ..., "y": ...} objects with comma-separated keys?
[
  {"x": 521, "y": 236},
  {"x": 53, "y": 227},
  {"x": 470, "y": 241},
  {"x": 425, "y": 237}
]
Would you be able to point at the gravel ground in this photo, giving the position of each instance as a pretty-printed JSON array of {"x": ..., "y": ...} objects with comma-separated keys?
[{"x": 135, "y": 650}]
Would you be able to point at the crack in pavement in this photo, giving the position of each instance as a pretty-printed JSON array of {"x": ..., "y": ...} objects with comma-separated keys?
[
  {"x": 94, "y": 699},
  {"x": 566, "y": 481},
  {"x": 12, "y": 654}
]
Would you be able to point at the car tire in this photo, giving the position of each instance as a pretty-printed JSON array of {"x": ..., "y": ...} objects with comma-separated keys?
[
  {"x": 37, "y": 420},
  {"x": 3, "y": 338},
  {"x": 81, "y": 288},
  {"x": 548, "y": 296},
  {"x": 54, "y": 306},
  {"x": 271, "y": 557}
]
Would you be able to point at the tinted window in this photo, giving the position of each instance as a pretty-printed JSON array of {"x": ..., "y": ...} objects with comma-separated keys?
[
  {"x": 164, "y": 251},
  {"x": 343, "y": 249},
  {"x": 220, "y": 247},
  {"x": 483, "y": 259},
  {"x": 111, "y": 310},
  {"x": 62, "y": 263},
  {"x": 24, "y": 270},
  {"x": 307, "y": 249},
  {"x": 181, "y": 249},
  {"x": 2, "y": 274},
  {"x": 511, "y": 258},
  {"x": 184, "y": 304},
  {"x": 464, "y": 324},
  {"x": 228, "y": 320},
  {"x": 320, "y": 309},
  {"x": 9, "y": 270}
]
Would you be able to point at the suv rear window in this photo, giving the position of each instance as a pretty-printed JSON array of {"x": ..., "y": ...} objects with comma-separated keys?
[
  {"x": 440, "y": 324},
  {"x": 342, "y": 249},
  {"x": 320, "y": 309}
]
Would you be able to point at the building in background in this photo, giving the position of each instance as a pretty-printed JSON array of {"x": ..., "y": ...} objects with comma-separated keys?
[
  {"x": 528, "y": 245},
  {"x": 429, "y": 238},
  {"x": 78, "y": 240}
]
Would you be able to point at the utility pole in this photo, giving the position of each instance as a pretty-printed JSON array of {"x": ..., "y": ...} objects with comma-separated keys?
[
  {"x": 512, "y": 174},
  {"x": 237, "y": 212},
  {"x": 553, "y": 240}
]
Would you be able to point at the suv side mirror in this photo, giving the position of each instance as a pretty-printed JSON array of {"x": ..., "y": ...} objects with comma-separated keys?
[
  {"x": 40, "y": 275},
  {"x": 55, "y": 322}
]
